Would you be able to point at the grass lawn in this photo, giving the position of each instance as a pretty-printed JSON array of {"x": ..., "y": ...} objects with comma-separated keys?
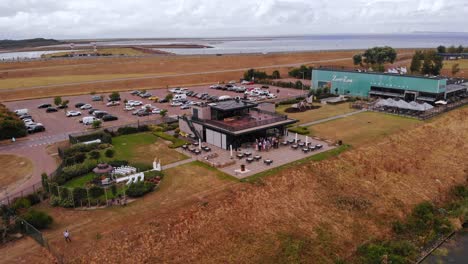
[
  {"x": 14, "y": 168},
  {"x": 79, "y": 181},
  {"x": 143, "y": 148},
  {"x": 316, "y": 114},
  {"x": 362, "y": 128}
]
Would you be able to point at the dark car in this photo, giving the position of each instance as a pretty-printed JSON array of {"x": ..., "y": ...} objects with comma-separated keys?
[
  {"x": 36, "y": 128},
  {"x": 62, "y": 106},
  {"x": 164, "y": 100},
  {"x": 265, "y": 86},
  {"x": 92, "y": 110},
  {"x": 143, "y": 113},
  {"x": 100, "y": 114},
  {"x": 51, "y": 109},
  {"x": 229, "y": 85},
  {"x": 25, "y": 117},
  {"x": 44, "y": 106},
  {"x": 135, "y": 92},
  {"x": 78, "y": 105},
  {"x": 109, "y": 118},
  {"x": 146, "y": 95}
]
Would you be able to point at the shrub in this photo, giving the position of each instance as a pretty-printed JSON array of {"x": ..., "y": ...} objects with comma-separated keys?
[
  {"x": 95, "y": 154},
  {"x": 103, "y": 136},
  {"x": 104, "y": 146},
  {"x": 79, "y": 194},
  {"x": 152, "y": 174},
  {"x": 300, "y": 130},
  {"x": 76, "y": 170},
  {"x": 38, "y": 219},
  {"x": 96, "y": 192},
  {"x": 79, "y": 148},
  {"x": 21, "y": 203},
  {"x": 54, "y": 201},
  {"x": 109, "y": 153},
  {"x": 139, "y": 189},
  {"x": 113, "y": 189},
  {"x": 45, "y": 181},
  {"x": 127, "y": 130},
  {"x": 33, "y": 198},
  {"x": 142, "y": 166},
  {"x": 460, "y": 191},
  {"x": 118, "y": 163},
  {"x": 53, "y": 188},
  {"x": 66, "y": 202}
]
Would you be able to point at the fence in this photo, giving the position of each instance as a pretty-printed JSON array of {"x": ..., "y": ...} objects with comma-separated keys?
[{"x": 8, "y": 198}]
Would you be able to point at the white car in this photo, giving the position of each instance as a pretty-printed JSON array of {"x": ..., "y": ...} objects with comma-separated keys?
[
  {"x": 156, "y": 111},
  {"x": 174, "y": 90},
  {"x": 86, "y": 106},
  {"x": 134, "y": 103},
  {"x": 176, "y": 104},
  {"x": 232, "y": 82},
  {"x": 129, "y": 108},
  {"x": 147, "y": 106},
  {"x": 113, "y": 103},
  {"x": 73, "y": 113},
  {"x": 28, "y": 122}
]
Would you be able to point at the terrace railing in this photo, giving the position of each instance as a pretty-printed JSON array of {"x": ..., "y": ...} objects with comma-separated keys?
[{"x": 247, "y": 125}]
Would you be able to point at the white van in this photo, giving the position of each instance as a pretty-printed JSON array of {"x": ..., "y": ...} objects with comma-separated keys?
[
  {"x": 224, "y": 97},
  {"x": 21, "y": 111},
  {"x": 179, "y": 97},
  {"x": 88, "y": 120}
]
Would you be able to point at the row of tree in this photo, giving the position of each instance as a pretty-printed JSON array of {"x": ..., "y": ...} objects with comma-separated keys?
[
  {"x": 10, "y": 125},
  {"x": 426, "y": 62},
  {"x": 259, "y": 75},
  {"x": 302, "y": 72},
  {"x": 375, "y": 58},
  {"x": 452, "y": 49}
]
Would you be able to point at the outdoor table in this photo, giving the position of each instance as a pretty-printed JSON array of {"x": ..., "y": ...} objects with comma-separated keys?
[
  {"x": 184, "y": 146},
  {"x": 318, "y": 146},
  {"x": 257, "y": 158},
  {"x": 240, "y": 156},
  {"x": 207, "y": 149},
  {"x": 290, "y": 141},
  {"x": 195, "y": 143},
  {"x": 305, "y": 150},
  {"x": 197, "y": 151},
  {"x": 301, "y": 144},
  {"x": 268, "y": 161},
  {"x": 284, "y": 143},
  {"x": 191, "y": 149},
  {"x": 249, "y": 160},
  {"x": 247, "y": 154},
  {"x": 312, "y": 148},
  {"x": 294, "y": 146}
]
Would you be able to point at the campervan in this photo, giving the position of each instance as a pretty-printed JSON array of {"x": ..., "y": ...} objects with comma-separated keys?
[
  {"x": 88, "y": 120},
  {"x": 179, "y": 97},
  {"x": 21, "y": 112}
]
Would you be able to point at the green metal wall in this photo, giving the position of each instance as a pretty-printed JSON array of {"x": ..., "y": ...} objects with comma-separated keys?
[{"x": 359, "y": 84}]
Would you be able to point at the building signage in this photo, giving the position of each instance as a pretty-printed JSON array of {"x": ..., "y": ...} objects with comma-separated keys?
[{"x": 343, "y": 79}]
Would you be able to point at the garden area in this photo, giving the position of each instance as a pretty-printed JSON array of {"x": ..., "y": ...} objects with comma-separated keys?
[
  {"x": 117, "y": 167},
  {"x": 318, "y": 111}
]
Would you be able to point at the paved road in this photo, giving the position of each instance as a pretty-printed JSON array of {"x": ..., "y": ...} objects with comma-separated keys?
[
  {"x": 331, "y": 118},
  {"x": 178, "y": 163}
]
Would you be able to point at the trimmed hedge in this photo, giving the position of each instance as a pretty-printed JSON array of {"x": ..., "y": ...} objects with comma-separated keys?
[
  {"x": 103, "y": 136},
  {"x": 300, "y": 130},
  {"x": 132, "y": 130},
  {"x": 76, "y": 170},
  {"x": 139, "y": 189}
]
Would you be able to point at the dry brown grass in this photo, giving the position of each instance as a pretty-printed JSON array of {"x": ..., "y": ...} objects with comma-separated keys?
[
  {"x": 200, "y": 67},
  {"x": 15, "y": 169},
  {"x": 328, "y": 208}
]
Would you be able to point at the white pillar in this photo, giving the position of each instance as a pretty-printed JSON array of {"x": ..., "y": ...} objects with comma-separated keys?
[
  {"x": 230, "y": 148},
  {"x": 199, "y": 143},
  {"x": 295, "y": 139},
  {"x": 307, "y": 140}
]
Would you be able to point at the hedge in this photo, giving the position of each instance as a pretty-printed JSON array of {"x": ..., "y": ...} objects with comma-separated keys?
[
  {"x": 300, "y": 130},
  {"x": 103, "y": 136},
  {"x": 132, "y": 130},
  {"x": 74, "y": 150},
  {"x": 76, "y": 170},
  {"x": 139, "y": 189},
  {"x": 153, "y": 173}
]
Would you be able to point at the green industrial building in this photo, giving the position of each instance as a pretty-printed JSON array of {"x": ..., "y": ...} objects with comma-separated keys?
[{"x": 388, "y": 85}]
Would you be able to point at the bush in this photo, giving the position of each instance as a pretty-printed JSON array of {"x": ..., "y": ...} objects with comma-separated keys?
[
  {"x": 95, "y": 192},
  {"x": 45, "y": 181},
  {"x": 118, "y": 163},
  {"x": 76, "y": 170},
  {"x": 38, "y": 219},
  {"x": 96, "y": 124},
  {"x": 21, "y": 203},
  {"x": 54, "y": 201},
  {"x": 66, "y": 202},
  {"x": 33, "y": 198},
  {"x": 132, "y": 130},
  {"x": 79, "y": 148},
  {"x": 109, "y": 153},
  {"x": 300, "y": 130},
  {"x": 152, "y": 174},
  {"x": 113, "y": 189},
  {"x": 460, "y": 191},
  {"x": 79, "y": 194},
  {"x": 10, "y": 124},
  {"x": 95, "y": 154},
  {"x": 176, "y": 143},
  {"x": 139, "y": 189},
  {"x": 103, "y": 136},
  {"x": 142, "y": 166}
]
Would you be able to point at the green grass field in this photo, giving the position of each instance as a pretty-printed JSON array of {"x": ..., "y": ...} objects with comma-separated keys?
[
  {"x": 79, "y": 181},
  {"x": 324, "y": 111},
  {"x": 362, "y": 128},
  {"x": 143, "y": 148}
]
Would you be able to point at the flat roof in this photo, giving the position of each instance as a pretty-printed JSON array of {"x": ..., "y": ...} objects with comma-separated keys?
[
  {"x": 381, "y": 73},
  {"x": 232, "y": 105}
]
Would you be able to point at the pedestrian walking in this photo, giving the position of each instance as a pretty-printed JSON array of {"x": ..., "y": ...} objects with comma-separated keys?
[{"x": 66, "y": 235}]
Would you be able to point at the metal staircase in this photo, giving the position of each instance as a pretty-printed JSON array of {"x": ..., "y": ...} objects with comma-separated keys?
[{"x": 192, "y": 128}]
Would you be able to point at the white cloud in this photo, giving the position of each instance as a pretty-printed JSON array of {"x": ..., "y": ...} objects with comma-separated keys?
[{"x": 200, "y": 18}]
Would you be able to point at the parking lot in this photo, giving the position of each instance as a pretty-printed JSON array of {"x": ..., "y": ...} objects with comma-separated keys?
[{"x": 58, "y": 125}]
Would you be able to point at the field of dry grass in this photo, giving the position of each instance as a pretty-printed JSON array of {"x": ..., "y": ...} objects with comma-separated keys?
[
  {"x": 113, "y": 51},
  {"x": 15, "y": 169},
  {"x": 186, "y": 70},
  {"x": 363, "y": 128},
  {"x": 324, "y": 111},
  {"x": 463, "y": 64},
  {"x": 317, "y": 212}
]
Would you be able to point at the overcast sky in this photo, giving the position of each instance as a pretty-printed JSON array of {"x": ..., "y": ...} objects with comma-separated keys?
[{"x": 64, "y": 19}]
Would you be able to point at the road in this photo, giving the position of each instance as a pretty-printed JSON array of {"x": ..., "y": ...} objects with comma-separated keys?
[{"x": 331, "y": 118}]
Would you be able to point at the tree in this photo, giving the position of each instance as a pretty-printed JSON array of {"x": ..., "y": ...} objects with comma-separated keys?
[
  {"x": 115, "y": 96},
  {"x": 357, "y": 59},
  {"x": 96, "y": 123},
  {"x": 169, "y": 97},
  {"x": 45, "y": 182},
  {"x": 452, "y": 49},
  {"x": 378, "y": 56},
  {"x": 275, "y": 74},
  {"x": 109, "y": 153},
  {"x": 95, "y": 154},
  {"x": 441, "y": 49},
  {"x": 65, "y": 103},
  {"x": 416, "y": 61},
  {"x": 432, "y": 64},
  {"x": 57, "y": 100},
  {"x": 455, "y": 69},
  {"x": 460, "y": 49},
  {"x": 163, "y": 113}
]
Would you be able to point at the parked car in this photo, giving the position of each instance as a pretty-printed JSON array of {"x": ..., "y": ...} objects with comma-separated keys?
[
  {"x": 44, "y": 106},
  {"x": 86, "y": 107},
  {"x": 20, "y": 112},
  {"x": 95, "y": 98},
  {"x": 224, "y": 98},
  {"x": 109, "y": 118},
  {"x": 185, "y": 106},
  {"x": 164, "y": 100},
  {"x": 28, "y": 122},
  {"x": 134, "y": 103},
  {"x": 143, "y": 112},
  {"x": 51, "y": 109},
  {"x": 26, "y": 116},
  {"x": 73, "y": 113},
  {"x": 175, "y": 103},
  {"x": 156, "y": 111},
  {"x": 153, "y": 98},
  {"x": 129, "y": 108},
  {"x": 265, "y": 86},
  {"x": 36, "y": 128},
  {"x": 271, "y": 96},
  {"x": 88, "y": 120},
  {"x": 100, "y": 114},
  {"x": 113, "y": 103},
  {"x": 92, "y": 110},
  {"x": 78, "y": 105},
  {"x": 232, "y": 82},
  {"x": 135, "y": 92},
  {"x": 62, "y": 106}
]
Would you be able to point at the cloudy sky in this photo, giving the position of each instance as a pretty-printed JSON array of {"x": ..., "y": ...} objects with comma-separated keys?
[{"x": 64, "y": 19}]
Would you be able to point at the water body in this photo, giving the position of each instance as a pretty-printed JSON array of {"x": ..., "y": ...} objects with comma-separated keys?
[
  {"x": 242, "y": 45},
  {"x": 25, "y": 54},
  {"x": 453, "y": 251}
]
